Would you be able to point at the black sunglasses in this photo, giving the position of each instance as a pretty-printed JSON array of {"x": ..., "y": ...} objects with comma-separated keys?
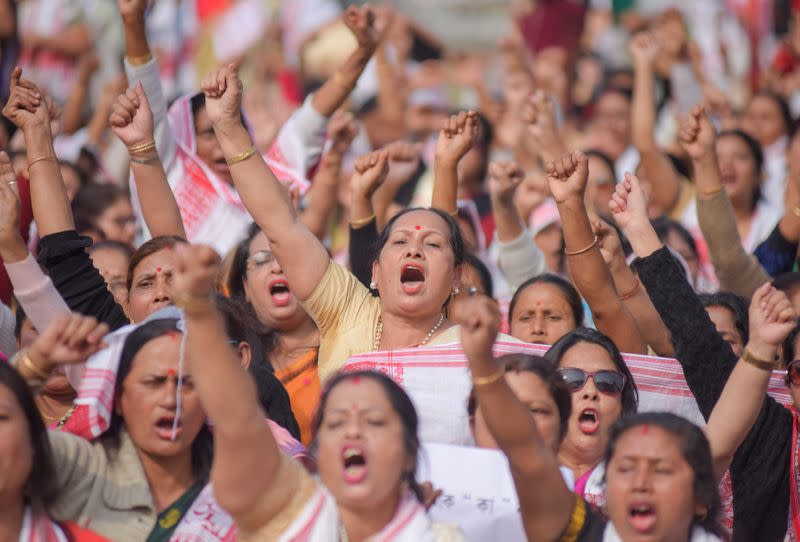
[
  {"x": 793, "y": 373},
  {"x": 608, "y": 382}
]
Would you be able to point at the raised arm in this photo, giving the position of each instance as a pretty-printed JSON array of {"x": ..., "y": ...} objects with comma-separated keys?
[
  {"x": 772, "y": 318},
  {"x": 302, "y": 256},
  {"x": 705, "y": 356},
  {"x": 520, "y": 258},
  {"x": 665, "y": 181},
  {"x": 251, "y": 478},
  {"x": 12, "y": 246},
  {"x": 455, "y": 140},
  {"x": 631, "y": 291},
  {"x": 737, "y": 270},
  {"x": 567, "y": 178},
  {"x": 27, "y": 109},
  {"x": 140, "y": 67},
  {"x": 404, "y": 163},
  {"x": 322, "y": 194},
  {"x": 132, "y": 122},
  {"x": 544, "y": 139},
  {"x": 544, "y": 499},
  {"x": 333, "y": 93}
]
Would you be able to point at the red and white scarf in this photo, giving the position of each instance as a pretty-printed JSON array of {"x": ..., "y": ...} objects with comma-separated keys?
[
  {"x": 793, "y": 530},
  {"x": 211, "y": 209}
]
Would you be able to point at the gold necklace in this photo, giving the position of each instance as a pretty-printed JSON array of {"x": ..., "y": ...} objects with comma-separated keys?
[{"x": 379, "y": 332}]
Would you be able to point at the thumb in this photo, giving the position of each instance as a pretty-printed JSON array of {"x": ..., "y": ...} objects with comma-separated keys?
[{"x": 232, "y": 75}]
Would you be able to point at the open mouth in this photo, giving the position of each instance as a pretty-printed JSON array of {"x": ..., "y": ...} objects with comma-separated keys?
[
  {"x": 221, "y": 166},
  {"x": 728, "y": 179},
  {"x": 164, "y": 427},
  {"x": 355, "y": 464},
  {"x": 589, "y": 421},
  {"x": 412, "y": 278},
  {"x": 642, "y": 517},
  {"x": 280, "y": 293}
]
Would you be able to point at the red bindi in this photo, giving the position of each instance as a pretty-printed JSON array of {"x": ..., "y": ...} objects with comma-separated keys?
[
  {"x": 158, "y": 270},
  {"x": 645, "y": 429},
  {"x": 418, "y": 227},
  {"x": 171, "y": 372},
  {"x": 355, "y": 379}
]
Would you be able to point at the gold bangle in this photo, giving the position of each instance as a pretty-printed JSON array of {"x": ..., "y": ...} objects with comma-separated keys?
[
  {"x": 486, "y": 380},
  {"x": 361, "y": 222},
  {"x": 139, "y": 60},
  {"x": 581, "y": 251},
  {"x": 142, "y": 147},
  {"x": 759, "y": 363},
  {"x": 37, "y": 372},
  {"x": 576, "y": 520},
  {"x": 195, "y": 305},
  {"x": 53, "y": 158},
  {"x": 242, "y": 156}
]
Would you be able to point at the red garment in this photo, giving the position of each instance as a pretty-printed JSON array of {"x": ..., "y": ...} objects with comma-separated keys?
[
  {"x": 785, "y": 60},
  {"x": 77, "y": 534},
  {"x": 25, "y": 219},
  {"x": 553, "y": 23}
]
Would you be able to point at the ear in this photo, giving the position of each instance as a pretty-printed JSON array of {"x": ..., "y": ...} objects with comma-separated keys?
[
  {"x": 376, "y": 271},
  {"x": 457, "y": 272},
  {"x": 245, "y": 354}
]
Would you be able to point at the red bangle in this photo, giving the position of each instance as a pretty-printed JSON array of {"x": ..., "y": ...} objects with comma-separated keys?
[{"x": 633, "y": 292}]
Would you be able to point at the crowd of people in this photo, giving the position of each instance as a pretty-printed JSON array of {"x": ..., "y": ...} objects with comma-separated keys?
[{"x": 241, "y": 306}]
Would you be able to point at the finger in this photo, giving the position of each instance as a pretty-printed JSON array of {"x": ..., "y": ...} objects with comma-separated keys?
[
  {"x": 222, "y": 81},
  {"x": 126, "y": 102},
  {"x": 462, "y": 120},
  {"x": 16, "y": 74},
  {"x": 95, "y": 336},
  {"x": 85, "y": 326},
  {"x": 132, "y": 96},
  {"x": 68, "y": 330},
  {"x": 123, "y": 113},
  {"x": 20, "y": 102},
  {"x": 760, "y": 295}
]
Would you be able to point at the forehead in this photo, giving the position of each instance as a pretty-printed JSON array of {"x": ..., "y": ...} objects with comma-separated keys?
[
  {"x": 163, "y": 258},
  {"x": 763, "y": 104},
  {"x": 543, "y": 296},
  {"x": 612, "y": 101},
  {"x": 259, "y": 242},
  {"x": 158, "y": 356},
  {"x": 732, "y": 144},
  {"x": 589, "y": 357},
  {"x": 470, "y": 276},
  {"x": 721, "y": 316},
  {"x": 427, "y": 220},
  {"x": 358, "y": 392},
  {"x": 110, "y": 258},
  {"x": 649, "y": 442}
]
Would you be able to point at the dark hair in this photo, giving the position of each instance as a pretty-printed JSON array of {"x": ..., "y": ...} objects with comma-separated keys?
[
  {"x": 630, "y": 395},
  {"x": 197, "y": 102},
  {"x": 696, "y": 452},
  {"x": 119, "y": 246},
  {"x": 783, "y": 107},
  {"x": 83, "y": 178},
  {"x": 756, "y": 153},
  {"x": 242, "y": 326},
  {"x": 571, "y": 295},
  {"x": 618, "y": 90},
  {"x": 19, "y": 319},
  {"x": 93, "y": 199},
  {"x": 238, "y": 269},
  {"x": 556, "y": 386},
  {"x": 734, "y": 303},
  {"x": 665, "y": 225},
  {"x": 455, "y": 238},
  {"x": 483, "y": 272},
  {"x": 401, "y": 404},
  {"x": 40, "y": 487},
  {"x": 156, "y": 244},
  {"x": 788, "y": 345},
  {"x": 203, "y": 445}
]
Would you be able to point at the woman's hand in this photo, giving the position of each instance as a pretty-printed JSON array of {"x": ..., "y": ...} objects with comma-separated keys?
[
  {"x": 628, "y": 204},
  {"x": 429, "y": 494},
  {"x": 131, "y": 118},
  {"x": 132, "y": 11},
  {"x": 71, "y": 338},
  {"x": 697, "y": 135},
  {"x": 644, "y": 49},
  {"x": 504, "y": 179},
  {"x": 371, "y": 170},
  {"x": 772, "y": 318},
  {"x": 544, "y": 140},
  {"x": 195, "y": 274},
  {"x": 223, "y": 91},
  {"x": 26, "y": 106},
  {"x": 9, "y": 202},
  {"x": 609, "y": 242},
  {"x": 567, "y": 177},
  {"x": 342, "y": 130},
  {"x": 361, "y": 22},
  {"x": 479, "y": 325},
  {"x": 403, "y": 162},
  {"x": 456, "y": 138}
]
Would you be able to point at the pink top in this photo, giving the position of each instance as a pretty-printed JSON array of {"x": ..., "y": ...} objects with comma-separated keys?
[{"x": 35, "y": 292}]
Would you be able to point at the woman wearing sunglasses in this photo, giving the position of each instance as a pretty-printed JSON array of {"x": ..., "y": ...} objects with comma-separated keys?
[
  {"x": 602, "y": 391},
  {"x": 751, "y": 433},
  {"x": 660, "y": 478}
]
